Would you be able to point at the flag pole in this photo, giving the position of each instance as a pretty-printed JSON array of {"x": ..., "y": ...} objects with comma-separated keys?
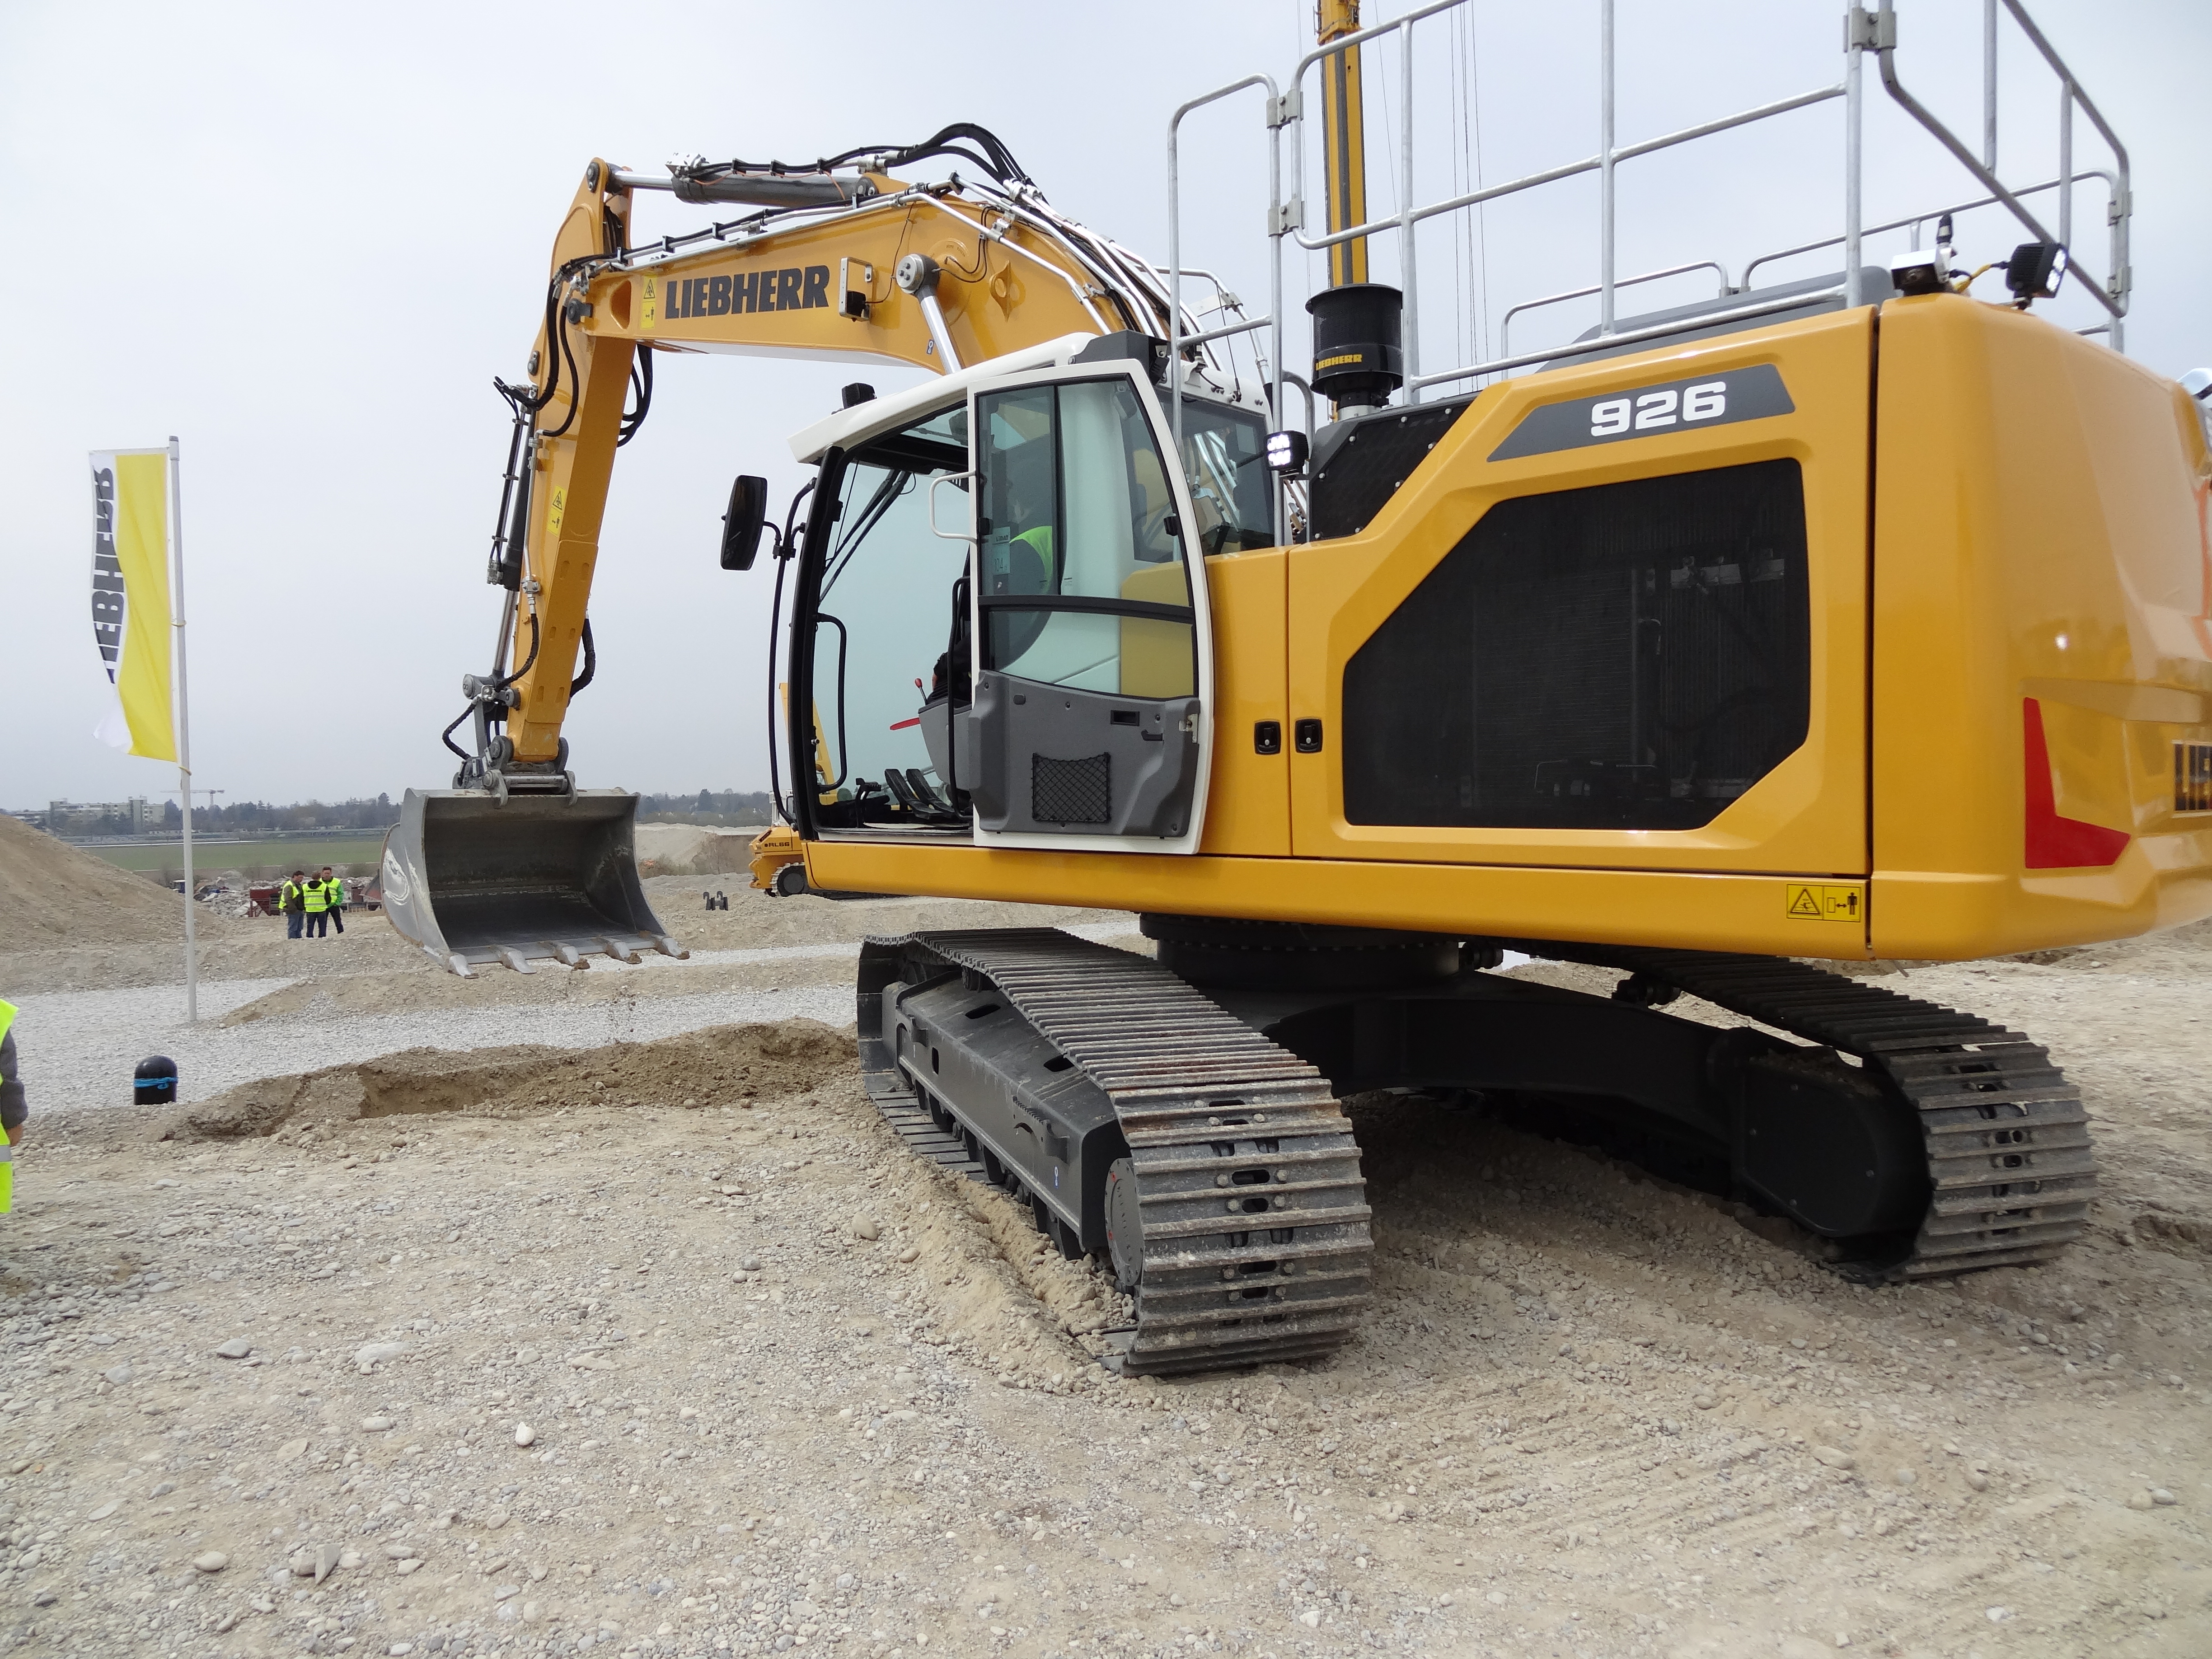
[{"x": 184, "y": 728}]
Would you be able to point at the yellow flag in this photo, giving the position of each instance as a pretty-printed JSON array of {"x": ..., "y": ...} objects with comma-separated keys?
[{"x": 130, "y": 597}]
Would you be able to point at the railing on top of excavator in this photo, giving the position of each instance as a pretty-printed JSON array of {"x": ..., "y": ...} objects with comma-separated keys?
[{"x": 1865, "y": 31}]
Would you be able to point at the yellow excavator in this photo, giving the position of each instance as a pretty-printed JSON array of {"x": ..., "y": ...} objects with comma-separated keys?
[{"x": 1847, "y": 616}]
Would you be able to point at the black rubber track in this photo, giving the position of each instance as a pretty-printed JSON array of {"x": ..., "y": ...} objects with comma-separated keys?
[
  {"x": 1199, "y": 1095},
  {"x": 2009, "y": 1159}
]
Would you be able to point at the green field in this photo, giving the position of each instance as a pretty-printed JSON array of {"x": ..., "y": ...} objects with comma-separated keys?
[{"x": 305, "y": 852}]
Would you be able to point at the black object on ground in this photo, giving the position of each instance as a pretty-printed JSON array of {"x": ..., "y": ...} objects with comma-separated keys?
[{"x": 154, "y": 1082}]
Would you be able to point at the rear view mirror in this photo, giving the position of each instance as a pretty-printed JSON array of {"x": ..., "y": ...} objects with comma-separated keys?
[{"x": 741, "y": 525}]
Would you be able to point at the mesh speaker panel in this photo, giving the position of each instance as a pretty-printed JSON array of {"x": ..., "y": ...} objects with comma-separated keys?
[{"x": 1072, "y": 791}]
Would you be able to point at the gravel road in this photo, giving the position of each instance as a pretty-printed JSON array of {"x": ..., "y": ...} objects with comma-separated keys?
[
  {"x": 366, "y": 993},
  {"x": 89, "y": 1041}
]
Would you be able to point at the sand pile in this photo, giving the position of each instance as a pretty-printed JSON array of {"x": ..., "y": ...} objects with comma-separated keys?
[
  {"x": 691, "y": 849},
  {"x": 54, "y": 894},
  {"x": 723, "y": 1064}
]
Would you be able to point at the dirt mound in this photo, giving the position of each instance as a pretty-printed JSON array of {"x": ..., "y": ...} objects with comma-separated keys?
[
  {"x": 691, "y": 849},
  {"x": 54, "y": 894},
  {"x": 720, "y": 1065}
]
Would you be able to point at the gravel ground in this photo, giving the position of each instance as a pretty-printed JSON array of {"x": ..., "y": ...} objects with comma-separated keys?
[
  {"x": 79, "y": 1066},
  {"x": 781, "y": 1385},
  {"x": 367, "y": 993}
]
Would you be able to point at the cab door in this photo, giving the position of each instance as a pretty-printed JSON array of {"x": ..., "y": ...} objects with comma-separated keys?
[
  {"x": 1090, "y": 727},
  {"x": 1617, "y": 618}
]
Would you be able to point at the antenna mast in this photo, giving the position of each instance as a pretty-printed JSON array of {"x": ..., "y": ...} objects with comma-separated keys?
[{"x": 1343, "y": 127}]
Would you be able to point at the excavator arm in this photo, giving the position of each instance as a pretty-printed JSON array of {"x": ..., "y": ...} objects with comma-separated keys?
[
  {"x": 937, "y": 278},
  {"x": 515, "y": 864}
]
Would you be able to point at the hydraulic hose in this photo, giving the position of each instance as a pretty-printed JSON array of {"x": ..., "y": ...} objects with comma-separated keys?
[
  {"x": 591, "y": 662},
  {"x": 640, "y": 379},
  {"x": 506, "y": 680}
]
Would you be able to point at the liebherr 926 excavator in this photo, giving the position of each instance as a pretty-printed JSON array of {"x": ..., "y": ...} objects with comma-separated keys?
[{"x": 1846, "y": 617}]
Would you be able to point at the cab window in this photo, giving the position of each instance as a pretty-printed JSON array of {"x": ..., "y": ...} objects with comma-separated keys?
[{"x": 1082, "y": 570}]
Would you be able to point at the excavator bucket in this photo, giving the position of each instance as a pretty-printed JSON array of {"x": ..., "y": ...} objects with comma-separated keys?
[{"x": 477, "y": 880}]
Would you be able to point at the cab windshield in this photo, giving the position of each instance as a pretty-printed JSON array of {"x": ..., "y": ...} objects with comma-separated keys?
[{"x": 888, "y": 618}]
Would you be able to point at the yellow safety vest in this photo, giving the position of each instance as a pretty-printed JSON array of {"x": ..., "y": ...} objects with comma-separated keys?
[
  {"x": 318, "y": 899},
  {"x": 6, "y": 1153}
]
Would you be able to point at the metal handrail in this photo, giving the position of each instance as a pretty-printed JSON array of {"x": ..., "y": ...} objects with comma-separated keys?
[
  {"x": 1248, "y": 326},
  {"x": 1631, "y": 337},
  {"x": 1505, "y": 323},
  {"x": 1868, "y": 27},
  {"x": 1571, "y": 169},
  {"x": 1915, "y": 220},
  {"x": 1410, "y": 216},
  {"x": 1885, "y": 53},
  {"x": 1277, "y": 220}
]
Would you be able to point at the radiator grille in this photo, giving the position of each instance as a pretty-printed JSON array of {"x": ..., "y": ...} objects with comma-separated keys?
[
  {"x": 1629, "y": 656},
  {"x": 2192, "y": 777}
]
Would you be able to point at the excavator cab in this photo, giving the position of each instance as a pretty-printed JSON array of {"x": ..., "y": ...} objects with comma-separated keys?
[{"x": 1062, "y": 700}]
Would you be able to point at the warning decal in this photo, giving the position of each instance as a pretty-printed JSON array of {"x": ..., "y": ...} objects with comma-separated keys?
[{"x": 1819, "y": 901}]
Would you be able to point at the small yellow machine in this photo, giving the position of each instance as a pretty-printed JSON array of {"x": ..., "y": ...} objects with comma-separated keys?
[{"x": 1843, "y": 617}]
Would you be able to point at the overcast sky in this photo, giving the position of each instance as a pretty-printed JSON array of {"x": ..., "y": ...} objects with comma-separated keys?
[{"x": 305, "y": 238}]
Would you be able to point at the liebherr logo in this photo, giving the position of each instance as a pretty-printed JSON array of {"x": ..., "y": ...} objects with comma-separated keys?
[
  {"x": 793, "y": 288},
  {"x": 109, "y": 599}
]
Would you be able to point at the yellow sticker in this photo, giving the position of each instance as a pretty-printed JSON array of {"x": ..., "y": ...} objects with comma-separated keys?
[
  {"x": 649, "y": 311},
  {"x": 553, "y": 519},
  {"x": 1819, "y": 901}
]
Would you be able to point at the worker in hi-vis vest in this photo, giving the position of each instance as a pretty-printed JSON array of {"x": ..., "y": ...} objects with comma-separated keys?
[
  {"x": 334, "y": 898},
  {"x": 291, "y": 903},
  {"x": 316, "y": 896},
  {"x": 14, "y": 1109}
]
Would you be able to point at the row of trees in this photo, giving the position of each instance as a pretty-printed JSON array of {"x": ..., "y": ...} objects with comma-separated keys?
[
  {"x": 728, "y": 808},
  {"x": 159, "y": 818},
  {"x": 259, "y": 815}
]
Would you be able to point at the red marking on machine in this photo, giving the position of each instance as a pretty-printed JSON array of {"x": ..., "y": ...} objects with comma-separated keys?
[{"x": 2056, "y": 842}]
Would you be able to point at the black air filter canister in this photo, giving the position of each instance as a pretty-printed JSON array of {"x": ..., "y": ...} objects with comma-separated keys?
[
  {"x": 154, "y": 1082},
  {"x": 1358, "y": 358}
]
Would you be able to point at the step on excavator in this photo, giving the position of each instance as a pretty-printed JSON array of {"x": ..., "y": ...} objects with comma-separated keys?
[{"x": 1860, "y": 614}]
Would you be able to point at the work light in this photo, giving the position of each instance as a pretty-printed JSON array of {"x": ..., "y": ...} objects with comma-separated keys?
[{"x": 2035, "y": 271}]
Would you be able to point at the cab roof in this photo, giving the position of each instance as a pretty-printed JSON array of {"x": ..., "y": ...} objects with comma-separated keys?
[{"x": 848, "y": 428}]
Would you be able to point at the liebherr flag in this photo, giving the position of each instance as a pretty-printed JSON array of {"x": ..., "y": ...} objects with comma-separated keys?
[{"x": 130, "y": 597}]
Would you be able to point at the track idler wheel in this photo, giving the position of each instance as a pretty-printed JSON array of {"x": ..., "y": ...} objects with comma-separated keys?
[{"x": 1125, "y": 1225}]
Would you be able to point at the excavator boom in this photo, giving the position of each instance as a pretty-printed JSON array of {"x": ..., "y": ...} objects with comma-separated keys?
[{"x": 513, "y": 864}]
